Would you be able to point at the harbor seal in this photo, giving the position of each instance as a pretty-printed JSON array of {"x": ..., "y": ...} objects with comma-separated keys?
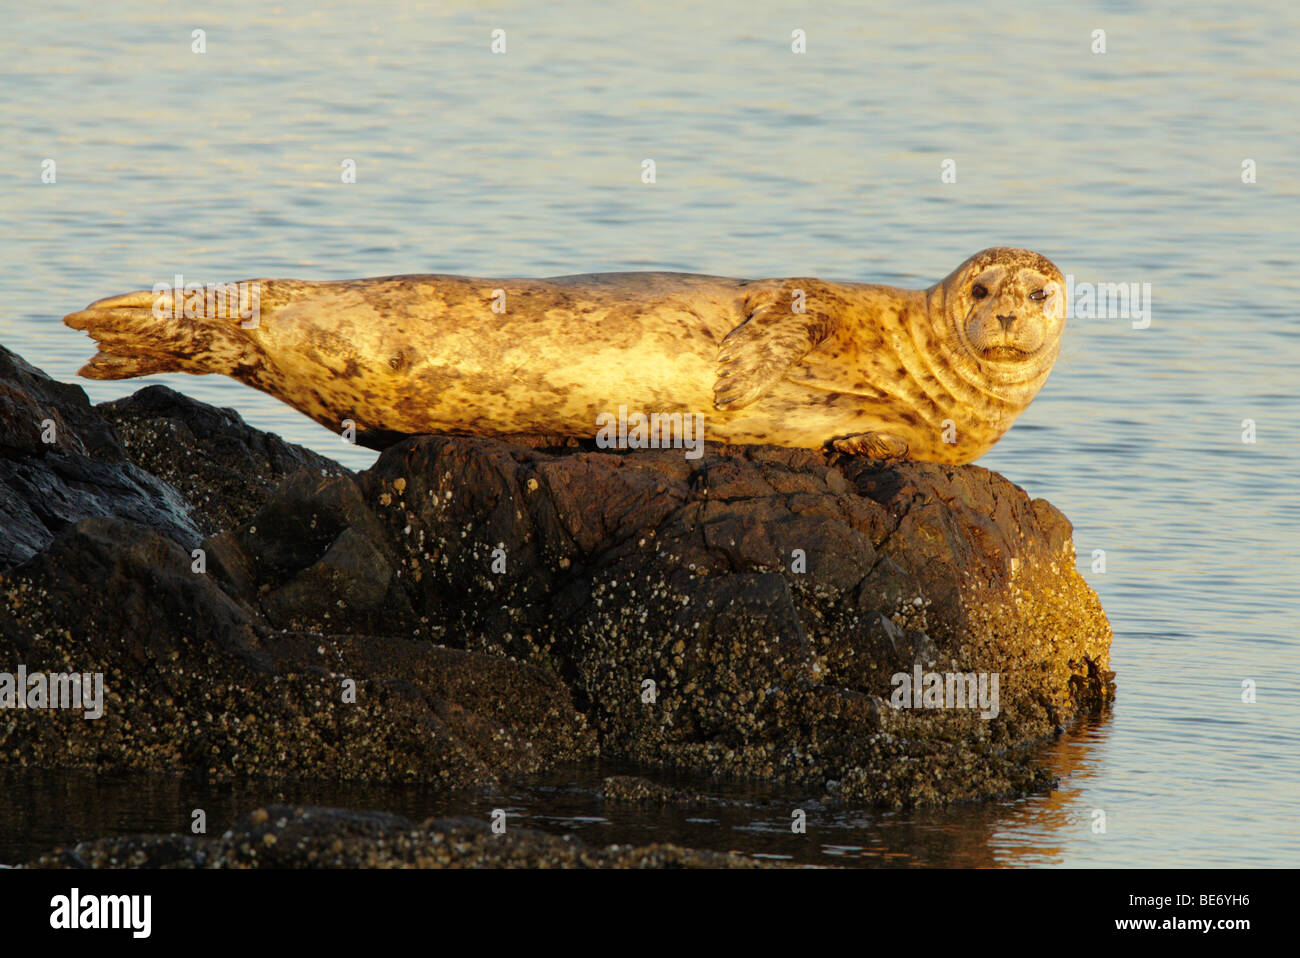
[{"x": 936, "y": 374}]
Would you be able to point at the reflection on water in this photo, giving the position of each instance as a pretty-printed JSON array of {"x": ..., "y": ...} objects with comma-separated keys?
[
  {"x": 45, "y": 810},
  {"x": 1122, "y": 167}
]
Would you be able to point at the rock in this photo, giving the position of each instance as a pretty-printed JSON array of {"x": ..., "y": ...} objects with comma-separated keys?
[
  {"x": 623, "y": 569},
  {"x": 196, "y": 682},
  {"x": 636, "y": 790},
  {"x": 315, "y": 557},
  {"x": 284, "y": 837},
  {"x": 82, "y": 471},
  {"x": 223, "y": 467},
  {"x": 746, "y": 614}
]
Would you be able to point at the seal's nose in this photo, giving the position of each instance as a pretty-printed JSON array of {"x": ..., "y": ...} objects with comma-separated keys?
[{"x": 1006, "y": 322}]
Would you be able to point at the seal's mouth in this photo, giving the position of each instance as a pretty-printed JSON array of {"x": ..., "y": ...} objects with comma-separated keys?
[{"x": 1005, "y": 354}]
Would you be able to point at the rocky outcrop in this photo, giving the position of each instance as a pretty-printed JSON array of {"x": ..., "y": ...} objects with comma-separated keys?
[
  {"x": 60, "y": 461},
  {"x": 770, "y": 595},
  {"x": 197, "y": 682},
  {"x": 503, "y": 608},
  {"x": 222, "y": 468}
]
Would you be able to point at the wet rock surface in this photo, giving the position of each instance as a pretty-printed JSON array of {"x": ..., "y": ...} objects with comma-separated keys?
[
  {"x": 60, "y": 461},
  {"x": 469, "y": 610},
  {"x": 284, "y": 837},
  {"x": 642, "y": 791},
  {"x": 222, "y": 468}
]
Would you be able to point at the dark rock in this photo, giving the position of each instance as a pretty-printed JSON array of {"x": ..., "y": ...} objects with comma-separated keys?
[
  {"x": 636, "y": 790},
  {"x": 28, "y": 397},
  {"x": 743, "y": 614},
  {"x": 623, "y": 569},
  {"x": 284, "y": 837},
  {"x": 82, "y": 472},
  {"x": 223, "y": 467},
  {"x": 195, "y": 682},
  {"x": 314, "y": 557}
]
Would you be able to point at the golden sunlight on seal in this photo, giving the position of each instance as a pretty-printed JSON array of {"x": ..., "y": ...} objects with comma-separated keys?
[{"x": 936, "y": 374}]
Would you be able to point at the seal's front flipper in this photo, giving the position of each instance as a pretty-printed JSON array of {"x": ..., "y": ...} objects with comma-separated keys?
[
  {"x": 874, "y": 445},
  {"x": 781, "y": 327}
]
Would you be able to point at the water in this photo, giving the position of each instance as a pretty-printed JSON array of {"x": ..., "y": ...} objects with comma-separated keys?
[{"x": 1121, "y": 167}]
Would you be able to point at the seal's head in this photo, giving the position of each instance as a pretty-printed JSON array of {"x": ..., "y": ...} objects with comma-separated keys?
[{"x": 1001, "y": 315}]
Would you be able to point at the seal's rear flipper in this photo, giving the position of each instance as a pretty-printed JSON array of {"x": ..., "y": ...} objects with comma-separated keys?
[
  {"x": 108, "y": 366},
  {"x": 139, "y": 334}
]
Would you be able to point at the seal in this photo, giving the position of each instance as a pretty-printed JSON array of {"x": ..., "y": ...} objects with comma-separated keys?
[{"x": 936, "y": 374}]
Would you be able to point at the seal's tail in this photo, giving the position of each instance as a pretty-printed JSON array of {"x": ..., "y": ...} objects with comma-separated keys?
[{"x": 148, "y": 332}]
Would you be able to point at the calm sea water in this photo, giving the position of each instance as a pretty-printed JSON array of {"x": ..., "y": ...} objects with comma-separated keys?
[{"x": 1123, "y": 166}]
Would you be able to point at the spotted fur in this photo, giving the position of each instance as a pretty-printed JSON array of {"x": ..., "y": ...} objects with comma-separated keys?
[{"x": 878, "y": 368}]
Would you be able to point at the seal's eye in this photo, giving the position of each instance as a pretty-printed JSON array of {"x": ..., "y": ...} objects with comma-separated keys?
[
  {"x": 979, "y": 291},
  {"x": 1038, "y": 295}
]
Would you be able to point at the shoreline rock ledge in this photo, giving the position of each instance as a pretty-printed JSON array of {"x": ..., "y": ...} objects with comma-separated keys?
[{"x": 505, "y": 608}]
